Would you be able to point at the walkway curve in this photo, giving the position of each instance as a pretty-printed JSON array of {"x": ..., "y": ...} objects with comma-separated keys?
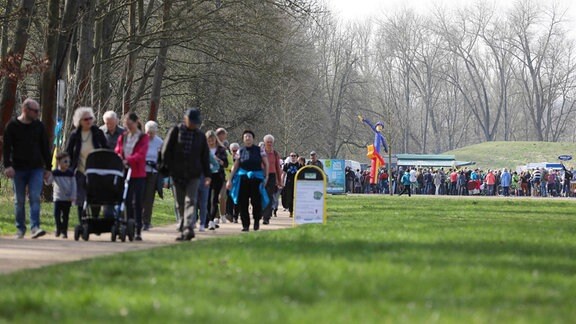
[{"x": 27, "y": 253}]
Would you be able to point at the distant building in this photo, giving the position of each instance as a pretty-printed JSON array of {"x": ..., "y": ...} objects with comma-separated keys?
[{"x": 431, "y": 160}]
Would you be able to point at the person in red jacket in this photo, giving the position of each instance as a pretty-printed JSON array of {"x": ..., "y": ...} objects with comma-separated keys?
[
  {"x": 132, "y": 147},
  {"x": 490, "y": 182}
]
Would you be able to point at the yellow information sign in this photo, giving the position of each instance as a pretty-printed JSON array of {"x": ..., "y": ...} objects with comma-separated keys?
[{"x": 310, "y": 196}]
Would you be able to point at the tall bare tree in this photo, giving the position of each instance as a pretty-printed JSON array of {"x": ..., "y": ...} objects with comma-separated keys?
[
  {"x": 85, "y": 60},
  {"x": 538, "y": 34},
  {"x": 49, "y": 76},
  {"x": 160, "y": 66},
  {"x": 5, "y": 28}
]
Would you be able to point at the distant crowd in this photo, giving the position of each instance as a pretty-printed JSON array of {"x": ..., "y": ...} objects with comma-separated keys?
[{"x": 429, "y": 181}]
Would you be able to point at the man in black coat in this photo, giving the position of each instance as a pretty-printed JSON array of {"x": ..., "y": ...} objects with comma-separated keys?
[
  {"x": 185, "y": 157},
  {"x": 27, "y": 162}
]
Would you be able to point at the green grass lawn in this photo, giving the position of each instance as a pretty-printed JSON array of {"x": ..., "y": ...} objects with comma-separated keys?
[
  {"x": 497, "y": 155},
  {"x": 163, "y": 213},
  {"x": 380, "y": 259}
]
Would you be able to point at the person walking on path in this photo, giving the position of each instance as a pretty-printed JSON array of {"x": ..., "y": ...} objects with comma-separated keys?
[
  {"x": 314, "y": 160},
  {"x": 132, "y": 147},
  {"x": 231, "y": 207},
  {"x": 248, "y": 181},
  {"x": 153, "y": 179},
  {"x": 289, "y": 174},
  {"x": 223, "y": 137},
  {"x": 85, "y": 138},
  {"x": 64, "y": 193},
  {"x": 186, "y": 156},
  {"x": 27, "y": 162},
  {"x": 274, "y": 183},
  {"x": 111, "y": 129},
  {"x": 219, "y": 158}
]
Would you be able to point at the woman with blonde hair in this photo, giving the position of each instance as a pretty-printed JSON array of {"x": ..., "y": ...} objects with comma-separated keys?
[
  {"x": 218, "y": 162},
  {"x": 85, "y": 138}
]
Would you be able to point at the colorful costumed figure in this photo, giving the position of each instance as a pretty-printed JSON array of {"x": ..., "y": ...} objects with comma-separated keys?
[{"x": 374, "y": 149}]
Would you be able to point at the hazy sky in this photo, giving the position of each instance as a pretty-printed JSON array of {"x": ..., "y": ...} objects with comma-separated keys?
[{"x": 362, "y": 9}]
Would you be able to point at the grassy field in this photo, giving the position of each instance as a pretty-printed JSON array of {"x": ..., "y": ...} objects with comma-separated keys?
[
  {"x": 163, "y": 213},
  {"x": 379, "y": 260},
  {"x": 512, "y": 154}
]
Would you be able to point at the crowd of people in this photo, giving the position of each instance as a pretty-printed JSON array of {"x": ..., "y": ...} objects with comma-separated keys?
[
  {"x": 538, "y": 182},
  {"x": 213, "y": 181}
]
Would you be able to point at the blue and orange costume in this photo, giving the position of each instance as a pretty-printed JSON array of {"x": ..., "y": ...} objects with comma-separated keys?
[{"x": 374, "y": 149}]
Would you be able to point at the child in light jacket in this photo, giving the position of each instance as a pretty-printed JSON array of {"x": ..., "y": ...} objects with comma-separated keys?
[{"x": 64, "y": 186}]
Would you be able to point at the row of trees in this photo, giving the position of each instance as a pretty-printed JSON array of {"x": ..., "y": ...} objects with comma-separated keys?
[{"x": 439, "y": 81}]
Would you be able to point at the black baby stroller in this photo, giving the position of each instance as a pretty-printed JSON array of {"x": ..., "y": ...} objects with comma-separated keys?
[{"x": 105, "y": 186}]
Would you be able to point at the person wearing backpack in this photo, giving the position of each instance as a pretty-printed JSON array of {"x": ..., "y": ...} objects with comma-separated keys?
[{"x": 185, "y": 157}]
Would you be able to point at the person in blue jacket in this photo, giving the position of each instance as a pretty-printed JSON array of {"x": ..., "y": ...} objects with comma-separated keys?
[
  {"x": 406, "y": 183},
  {"x": 248, "y": 180},
  {"x": 505, "y": 181}
]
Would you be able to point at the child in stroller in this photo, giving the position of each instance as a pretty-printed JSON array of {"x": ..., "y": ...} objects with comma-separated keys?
[{"x": 106, "y": 184}]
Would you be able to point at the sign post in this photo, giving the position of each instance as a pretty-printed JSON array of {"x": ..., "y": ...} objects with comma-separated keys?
[
  {"x": 310, "y": 196},
  {"x": 335, "y": 176}
]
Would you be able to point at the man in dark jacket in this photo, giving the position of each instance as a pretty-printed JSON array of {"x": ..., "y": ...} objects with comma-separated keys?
[
  {"x": 185, "y": 155},
  {"x": 27, "y": 162}
]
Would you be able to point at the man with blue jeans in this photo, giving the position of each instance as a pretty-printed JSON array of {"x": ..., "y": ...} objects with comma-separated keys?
[{"x": 27, "y": 162}]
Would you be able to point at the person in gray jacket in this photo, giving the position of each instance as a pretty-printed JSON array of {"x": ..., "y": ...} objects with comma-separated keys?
[{"x": 64, "y": 185}]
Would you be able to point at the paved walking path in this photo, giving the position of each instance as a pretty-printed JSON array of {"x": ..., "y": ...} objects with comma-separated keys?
[{"x": 18, "y": 254}]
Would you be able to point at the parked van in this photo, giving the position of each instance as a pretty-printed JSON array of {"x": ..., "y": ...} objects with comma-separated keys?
[{"x": 354, "y": 165}]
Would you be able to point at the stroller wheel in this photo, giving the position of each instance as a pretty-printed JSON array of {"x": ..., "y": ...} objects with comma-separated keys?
[
  {"x": 123, "y": 233},
  {"x": 113, "y": 233},
  {"x": 77, "y": 231},
  {"x": 85, "y": 232},
  {"x": 131, "y": 228}
]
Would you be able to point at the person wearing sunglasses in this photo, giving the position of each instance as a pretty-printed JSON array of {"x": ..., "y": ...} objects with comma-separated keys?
[
  {"x": 64, "y": 189},
  {"x": 290, "y": 169},
  {"x": 85, "y": 138},
  {"x": 27, "y": 162}
]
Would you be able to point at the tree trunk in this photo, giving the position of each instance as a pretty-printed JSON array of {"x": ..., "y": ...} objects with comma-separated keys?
[
  {"x": 5, "y": 26},
  {"x": 85, "y": 54},
  {"x": 66, "y": 31},
  {"x": 49, "y": 80},
  {"x": 130, "y": 59},
  {"x": 98, "y": 44},
  {"x": 160, "y": 63},
  {"x": 8, "y": 100}
]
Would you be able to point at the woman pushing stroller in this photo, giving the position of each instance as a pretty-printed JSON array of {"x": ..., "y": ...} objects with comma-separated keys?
[{"x": 132, "y": 147}]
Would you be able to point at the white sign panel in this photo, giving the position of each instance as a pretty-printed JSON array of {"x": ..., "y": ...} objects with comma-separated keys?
[{"x": 309, "y": 202}]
